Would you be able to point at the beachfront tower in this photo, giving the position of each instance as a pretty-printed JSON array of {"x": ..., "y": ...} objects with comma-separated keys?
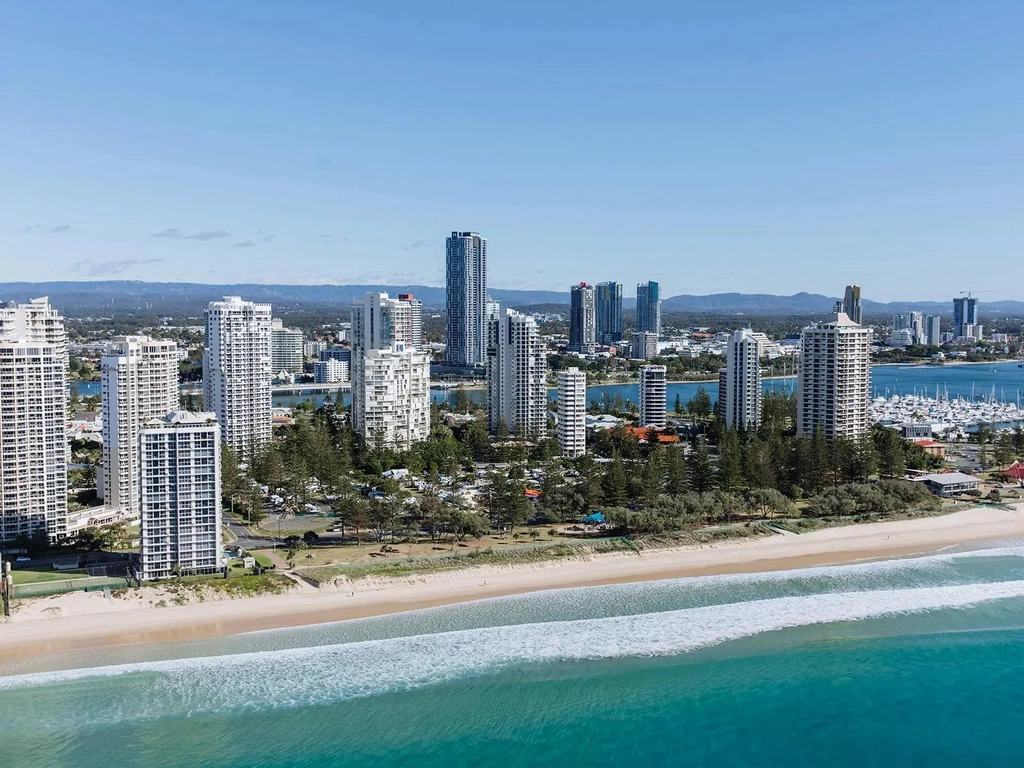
[
  {"x": 609, "y": 312},
  {"x": 743, "y": 381},
  {"x": 572, "y": 412},
  {"x": 834, "y": 386}
]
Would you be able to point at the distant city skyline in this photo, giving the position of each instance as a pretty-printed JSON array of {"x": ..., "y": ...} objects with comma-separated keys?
[{"x": 797, "y": 146}]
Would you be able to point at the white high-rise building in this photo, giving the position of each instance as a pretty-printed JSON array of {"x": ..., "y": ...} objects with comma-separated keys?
[
  {"x": 237, "y": 371},
  {"x": 933, "y": 330},
  {"x": 653, "y": 395},
  {"x": 572, "y": 412},
  {"x": 834, "y": 386},
  {"x": 139, "y": 382},
  {"x": 643, "y": 345},
  {"x": 180, "y": 529},
  {"x": 33, "y": 420},
  {"x": 517, "y": 375},
  {"x": 390, "y": 371},
  {"x": 379, "y": 321},
  {"x": 286, "y": 348},
  {"x": 743, "y": 381},
  {"x": 391, "y": 396},
  {"x": 330, "y": 371}
]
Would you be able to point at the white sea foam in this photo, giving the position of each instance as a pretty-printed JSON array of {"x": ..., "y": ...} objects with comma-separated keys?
[{"x": 308, "y": 676}]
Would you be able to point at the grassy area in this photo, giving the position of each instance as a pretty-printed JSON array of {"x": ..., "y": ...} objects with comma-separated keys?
[
  {"x": 39, "y": 577},
  {"x": 263, "y": 560},
  {"x": 203, "y": 587},
  {"x": 808, "y": 524},
  {"x": 321, "y": 575}
]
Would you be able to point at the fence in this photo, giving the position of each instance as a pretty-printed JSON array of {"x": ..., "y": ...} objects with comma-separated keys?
[{"x": 62, "y": 586}]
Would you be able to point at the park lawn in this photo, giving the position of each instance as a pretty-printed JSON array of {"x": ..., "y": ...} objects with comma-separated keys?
[
  {"x": 293, "y": 525},
  {"x": 37, "y": 577}
]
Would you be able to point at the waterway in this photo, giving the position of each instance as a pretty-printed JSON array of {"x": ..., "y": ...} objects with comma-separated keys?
[{"x": 1001, "y": 381}]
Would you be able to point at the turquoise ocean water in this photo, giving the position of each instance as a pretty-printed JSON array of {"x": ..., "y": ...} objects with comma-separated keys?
[{"x": 914, "y": 661}]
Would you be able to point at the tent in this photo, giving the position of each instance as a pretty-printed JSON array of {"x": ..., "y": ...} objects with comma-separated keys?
[{"x": 594, "y": 518}]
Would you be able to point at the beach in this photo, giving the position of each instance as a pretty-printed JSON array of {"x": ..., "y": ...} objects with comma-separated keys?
[{"x": 80, "y": 620}]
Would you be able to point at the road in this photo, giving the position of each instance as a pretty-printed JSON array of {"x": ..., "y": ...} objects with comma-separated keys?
[{"x": 244, "y": 539}]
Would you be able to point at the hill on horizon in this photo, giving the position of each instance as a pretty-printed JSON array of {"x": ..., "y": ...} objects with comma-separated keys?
[{"x": 76, "y": 298}]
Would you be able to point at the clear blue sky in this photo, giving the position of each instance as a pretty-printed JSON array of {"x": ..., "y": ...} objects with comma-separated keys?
[{"x": 734, "y": 146}]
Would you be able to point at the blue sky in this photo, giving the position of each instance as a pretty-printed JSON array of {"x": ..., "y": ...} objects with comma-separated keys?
[{"x": 732, "y": 146}]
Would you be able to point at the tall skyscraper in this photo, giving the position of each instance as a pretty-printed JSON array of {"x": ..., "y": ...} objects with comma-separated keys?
[
  {"x": 285, "y": 348},
  {"x": 653, "y": 395},
  {"x": 466, "y": 294},
  {"x": 965, "y": 316},
  {"x": 916, "y": 327},
  {"x": 391, "y": 396},
  {"x": 834, "y": 386},
  {"x": 572, "y": 412},
  {"x": 139, "y": 383},
  {"x": 609, "y": 313},
  {"x": 33, "y": 420},
  {"x": 237, "y": 371},
  {"x": 582, "y": 319},
  {"x": 743, "y": 381},
  {"x": 851, "y": 304},
  {"x": 390, "y": 371},
  {"x": 648, "y": 308},
  {"x": 180, "y": 531},
  {"x": 517, "y": 390},
  {"x": 933, "y": 330}
]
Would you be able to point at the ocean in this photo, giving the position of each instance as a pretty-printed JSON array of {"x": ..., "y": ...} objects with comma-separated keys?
[{"x": 912, "y": 661}]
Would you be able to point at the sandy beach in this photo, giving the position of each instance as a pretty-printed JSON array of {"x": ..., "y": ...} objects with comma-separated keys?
[{"x": 90, "y": 620}]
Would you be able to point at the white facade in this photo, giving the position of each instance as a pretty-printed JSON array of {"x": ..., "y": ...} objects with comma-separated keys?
[
  {"x": 834, "y": 386},
  {"x": 33, "y": 420},
  {"x": 286, "y": 348},
  {"x": 378, "y": 321},
  {"x": 644, "y": 345},
  {"x": 517, "y": 375},
  {"x": 653, "y": 395},
  {"x": 181, "y": 485},
  {"x": 237, "y": 371},
  {"x": 330, "y": 371},
  {"x": 391, "y": 396},
  {"x": 313, "y": 348},
  {"x": 933, "y": 330},
  {"x": 743, "y": 381},
  {"x": 572, "y": 412},
  {"x": 139, "y": 382}
]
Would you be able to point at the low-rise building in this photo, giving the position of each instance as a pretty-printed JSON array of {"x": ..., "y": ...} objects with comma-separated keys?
[{"x": 948, "y": 484}]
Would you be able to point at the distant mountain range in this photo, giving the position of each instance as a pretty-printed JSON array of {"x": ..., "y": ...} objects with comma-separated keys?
[{"x": 108, "y": 296}]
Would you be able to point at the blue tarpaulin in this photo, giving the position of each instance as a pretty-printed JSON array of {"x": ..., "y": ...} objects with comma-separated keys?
[{"x": 595, "y": 518}]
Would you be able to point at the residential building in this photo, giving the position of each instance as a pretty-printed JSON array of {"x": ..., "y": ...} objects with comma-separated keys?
[
  {"x": 904, "y": 337},
  {"x": 344, "y": 354},
  {"x": 723, "y": 390},
  {"x": 138, "y": 383},
  {"x": 491, "y": 309},
  {"x": 237, "y": 371},
  {"x": 644, "y": 345},
  {"x": 330, "y": 371},
  {"x": 851, "y": 304},
  {"x": 466, "y": 296},
  {"x": 834, "y": 385},
  {"x": 609, "y": 312},
  {"x": 916, "y": 326},
  {"x": 33, "y": 421},
  {"x": 517, "y": 392},
  {"x": 572, "y": 412},
  {"x": 648, "y": 308},
  {"x": 933, "y": 330},
  {"x": 391, "y": 396},
  {"x": 743, "y": 381},
  {"x": 653, "y": 395},
  {"x": 180, "y": 531},
  {"x": 378, "y": 321},
  {"x": 965, "y": 313},
  {"x": 285, "y": 348},
  {"x": 313, "y": 348},
  {"x": 582, "y": 319}
]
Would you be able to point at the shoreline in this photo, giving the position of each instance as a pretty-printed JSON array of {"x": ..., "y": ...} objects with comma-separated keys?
[{"x": 85, "y": 621}]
